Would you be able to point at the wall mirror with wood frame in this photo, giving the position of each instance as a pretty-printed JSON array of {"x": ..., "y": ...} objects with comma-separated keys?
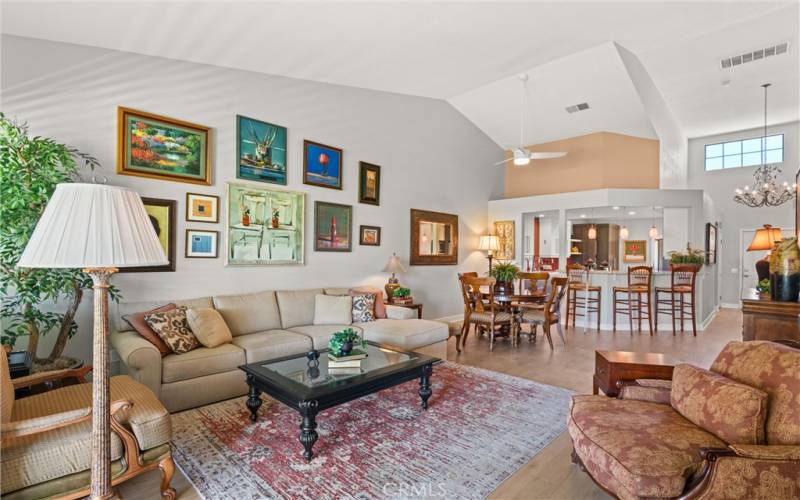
[{"x": 434, "y": 238}]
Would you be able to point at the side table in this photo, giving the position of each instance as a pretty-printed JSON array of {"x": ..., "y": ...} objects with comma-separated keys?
[
  {"x": 612, "y": 366},
  {"x": 417, "y": 306}
]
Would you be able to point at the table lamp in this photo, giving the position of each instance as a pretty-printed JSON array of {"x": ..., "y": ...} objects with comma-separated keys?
[
  {"x": 764, "y": 239},
  {"x": 96, "y": 228},
  {"x": 491, "y": 244},
  {"x": 394, "y": 266}
]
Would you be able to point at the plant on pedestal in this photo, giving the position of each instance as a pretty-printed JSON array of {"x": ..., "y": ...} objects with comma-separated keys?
[{"x": 30, "y": 169}]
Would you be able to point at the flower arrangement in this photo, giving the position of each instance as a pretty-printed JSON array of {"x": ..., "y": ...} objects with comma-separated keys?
[
  {"x": 689, "y": 256},
  {"x": 342, "y": 342}
]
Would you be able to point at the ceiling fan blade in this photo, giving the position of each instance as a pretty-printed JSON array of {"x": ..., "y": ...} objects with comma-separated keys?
[
  {"x": 504, "y": 161},
  {"x": 546, "y": 156}
]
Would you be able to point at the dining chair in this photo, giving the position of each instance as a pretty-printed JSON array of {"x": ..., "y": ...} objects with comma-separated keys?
[
  {"x": 551, "y": 314},
  {"x": 480, "y": 308},
  {"x": 533, "y": 283}
]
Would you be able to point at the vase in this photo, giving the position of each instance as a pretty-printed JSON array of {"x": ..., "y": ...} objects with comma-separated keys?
[
  {"x": 784, "y": 267},
  {"x": 346, "y": 348},
  {"x": 245, "y": 220},
  {"x": 504, "y": 288},
  {"x": 275, "y": 223}
]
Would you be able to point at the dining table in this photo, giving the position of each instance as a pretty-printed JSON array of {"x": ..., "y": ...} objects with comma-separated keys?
[{"x": 514, "y": 303}]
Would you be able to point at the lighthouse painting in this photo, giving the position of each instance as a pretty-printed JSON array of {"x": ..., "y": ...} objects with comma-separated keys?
[
  {"x": 333, "y": 227},
  {"x": 322, "y": 165}
]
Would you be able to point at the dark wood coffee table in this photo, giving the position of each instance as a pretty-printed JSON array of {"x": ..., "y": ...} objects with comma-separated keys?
[
  {"x": 309, "y": 387},
  {"x": 612, "y": 366}
]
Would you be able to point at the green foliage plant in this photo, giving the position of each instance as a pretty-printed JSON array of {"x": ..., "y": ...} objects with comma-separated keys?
[
  {"x": 504, "y": 271},
  {"x": 342, "y": 337},
  {"x": 688, "y": 256},
  {"x": 401, "y": 292}
]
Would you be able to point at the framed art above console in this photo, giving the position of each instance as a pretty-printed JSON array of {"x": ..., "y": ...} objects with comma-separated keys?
[
  {"x": 163, "y": 148},
  {"x": 434, "y": 238}
]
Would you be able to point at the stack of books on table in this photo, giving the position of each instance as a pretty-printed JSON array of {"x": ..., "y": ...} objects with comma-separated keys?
[{"x": 346, "y": 365}]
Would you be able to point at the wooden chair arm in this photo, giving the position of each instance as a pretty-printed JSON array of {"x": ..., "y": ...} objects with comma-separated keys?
[{"x": 51, "y": 376}]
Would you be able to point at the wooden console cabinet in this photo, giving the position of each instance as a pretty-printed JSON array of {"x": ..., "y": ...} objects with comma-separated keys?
[{"x": 766, "y": 319}]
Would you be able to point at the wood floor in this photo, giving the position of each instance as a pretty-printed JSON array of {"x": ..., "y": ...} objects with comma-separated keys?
[{"x": 549, "y": 475}]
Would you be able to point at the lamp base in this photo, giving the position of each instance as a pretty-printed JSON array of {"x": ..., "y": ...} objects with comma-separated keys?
[
  {"x": 762, "y": 269},
  {"x": 390, "y": 287}
]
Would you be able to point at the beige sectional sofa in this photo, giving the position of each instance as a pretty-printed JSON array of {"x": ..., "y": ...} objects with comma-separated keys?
[{"x": 265, "y": 325}]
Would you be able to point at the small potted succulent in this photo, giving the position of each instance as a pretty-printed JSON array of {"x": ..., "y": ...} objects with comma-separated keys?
[
  {"x": 402, "y": 295},
  {"x": 692, "y": 257},
  {"x": 342, "y": 342},
  {"x": 504, "y": 274}
]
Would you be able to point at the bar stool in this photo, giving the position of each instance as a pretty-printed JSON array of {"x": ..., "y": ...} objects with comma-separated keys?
[
  {"x": 640, "y": 279},
  {"x": 589, "y": 301},
  {"x": 682, "y": 283}
]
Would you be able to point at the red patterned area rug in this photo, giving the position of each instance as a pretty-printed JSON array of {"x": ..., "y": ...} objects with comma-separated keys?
[{"x": 481, "y": 426}]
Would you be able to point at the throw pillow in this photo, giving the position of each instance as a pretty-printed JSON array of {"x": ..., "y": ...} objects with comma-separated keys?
[
  {"x": 208, "y": 326},
  {"x": 380, "y": 305},
  {"x": 734, "y": 412},
  {"x": 138, "y": 323},
  {"x": 173, "y": 329},
  {"x": 333, "y": 310},
  {"x": 363, "y": 308}
]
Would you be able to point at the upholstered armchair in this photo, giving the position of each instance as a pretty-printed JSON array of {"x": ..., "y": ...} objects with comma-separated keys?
[
  {"x": 729, "y": 432},
  {"x": 46, "y": 438}
]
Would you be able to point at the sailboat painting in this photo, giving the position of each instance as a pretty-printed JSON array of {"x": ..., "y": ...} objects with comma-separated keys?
[
  {"x": 333, "y": 227},
  {"x": 261, "y": 151},
  {"x": 322, "y": 165}
]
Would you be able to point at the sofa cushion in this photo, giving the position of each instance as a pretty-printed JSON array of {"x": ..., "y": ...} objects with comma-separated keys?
[
  {"x": 137, "y": 322},
  {"x": 636, "y": 448},
  {"x": 379, "y": 309},
  {"x": 173, "y": 328},
  {"x": 333, "y": 310},
  {"x": 125, "y": 308},
  {"x": 250, "y": 312},
  {"x": 405, "y": 333},
  {"x": 297, "y": 306},
  {"x": 774, "y": 369},
  {"x": 272, "y": 344},
  {"x": 320, "y": 335},
  {"x": 363, "y": 307},
  {"x": 208, "y": 326},
  {"x": 201, "y": 361},
  {"x": 731, "y": 411},
  {"x": 34, "y": 459}
]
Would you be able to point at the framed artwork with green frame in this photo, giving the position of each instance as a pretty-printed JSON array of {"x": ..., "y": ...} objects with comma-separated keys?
[{"x": 333, "y": 227}]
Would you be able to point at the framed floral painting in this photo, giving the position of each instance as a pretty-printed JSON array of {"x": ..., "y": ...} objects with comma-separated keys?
[
  {"x": 164, "y": 148},
  {"x": 634, "y": 251}
]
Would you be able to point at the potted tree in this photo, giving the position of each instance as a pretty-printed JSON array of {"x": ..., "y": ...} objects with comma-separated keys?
[
  {"x": 30, "y": 169},
  {"x": 692, "y": 257},
  {"x": 504, "y": 273}
]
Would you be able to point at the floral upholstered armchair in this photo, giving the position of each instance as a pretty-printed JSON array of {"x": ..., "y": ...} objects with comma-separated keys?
[{"x": 729, "y": 432}]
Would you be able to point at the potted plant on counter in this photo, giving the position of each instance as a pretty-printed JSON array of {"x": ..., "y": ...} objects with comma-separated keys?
[
  {"x": 504, "y": 273},
  {"x": 690, "y": 257}
]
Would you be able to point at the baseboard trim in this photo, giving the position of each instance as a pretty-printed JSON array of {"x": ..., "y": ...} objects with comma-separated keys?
[{"x": 730, "y": 305}]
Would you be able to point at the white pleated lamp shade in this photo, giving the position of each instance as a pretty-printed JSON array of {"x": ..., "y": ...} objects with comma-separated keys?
[
  {"x": 394, "y": 265},
  {"x": 93, "y": 225}
]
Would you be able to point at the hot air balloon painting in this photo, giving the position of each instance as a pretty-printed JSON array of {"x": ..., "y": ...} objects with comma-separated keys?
[
  {"x": 333, "y": 227},
  {"x": 322, "y": 165}
]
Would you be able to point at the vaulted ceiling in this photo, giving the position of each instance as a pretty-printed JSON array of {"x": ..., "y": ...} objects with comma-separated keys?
[{"x": 462, "y": 51}]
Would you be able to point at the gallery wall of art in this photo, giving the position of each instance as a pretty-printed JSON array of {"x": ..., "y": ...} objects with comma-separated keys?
[{"x": 430, "y": 158}]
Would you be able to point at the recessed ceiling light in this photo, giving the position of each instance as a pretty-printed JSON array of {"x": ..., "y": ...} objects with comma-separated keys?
[
  {"x": 615, "y": 208},
  {"x": 631, "y": 213},
  {"x": 583, "y": 216},
  {"x": 541, "y": 215}
]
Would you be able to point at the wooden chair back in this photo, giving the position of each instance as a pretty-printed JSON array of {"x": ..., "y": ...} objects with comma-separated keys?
[
  {"x": 472, "y": 290},
  {"x": 577, "y": 273},
  {"x": 552, "y": 308},
  {"x": 640, "y": 276},
  {"x": 683, "y": 276},
  {"x": 464, "y": 295},
  {"x": 536, "y": 283}
]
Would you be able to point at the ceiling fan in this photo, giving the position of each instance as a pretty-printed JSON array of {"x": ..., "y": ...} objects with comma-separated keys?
[{"x": 520, "y": 155}]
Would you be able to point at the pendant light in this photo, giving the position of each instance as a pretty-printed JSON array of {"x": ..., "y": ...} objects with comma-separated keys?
[
  {"x": 653, "y": 229},
  {"x": 592, "y": 234},
  {"x": 623, "y": 231}
]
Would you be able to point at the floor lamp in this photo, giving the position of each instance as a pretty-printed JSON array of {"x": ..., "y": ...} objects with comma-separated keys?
[
  {"x": 96, "y": 228},
  {"x": 490, "y": 244}
]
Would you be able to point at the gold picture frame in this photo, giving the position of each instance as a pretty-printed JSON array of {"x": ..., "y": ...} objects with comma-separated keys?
[
  {"x": 504, "y": 230},
  {"x": 634, "y": 251}
]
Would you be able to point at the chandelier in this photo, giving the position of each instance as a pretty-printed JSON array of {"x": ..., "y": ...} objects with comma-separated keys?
[{"x": 766, "y": 192}]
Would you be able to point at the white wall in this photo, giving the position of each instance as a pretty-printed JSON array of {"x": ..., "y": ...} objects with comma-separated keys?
[
  {"x": 432, "y": 158},
  {"x": 719, "y": 186}
]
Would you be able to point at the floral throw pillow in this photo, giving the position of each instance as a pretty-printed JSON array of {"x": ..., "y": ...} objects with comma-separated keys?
[
  {"x": 363, "y": 307},
  {"x": 173, "y": 329}
]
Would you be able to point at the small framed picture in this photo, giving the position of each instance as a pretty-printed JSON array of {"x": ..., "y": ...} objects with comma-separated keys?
[
  {"x": 370, "y": 236},
  {"x": 202, "y": 208},
  {"x": 201, "y": 244},
  {"x": 369, "y": 184},
  {"x": 322, "y": 165}
]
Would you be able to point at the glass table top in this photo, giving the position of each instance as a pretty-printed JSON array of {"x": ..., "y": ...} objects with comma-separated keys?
[{"x": 316, "y": 373}]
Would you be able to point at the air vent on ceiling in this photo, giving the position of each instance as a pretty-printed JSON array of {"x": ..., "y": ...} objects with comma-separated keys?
[
  {"x": 772, "y": 50},
  {"x": 577, "y": 107}
]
